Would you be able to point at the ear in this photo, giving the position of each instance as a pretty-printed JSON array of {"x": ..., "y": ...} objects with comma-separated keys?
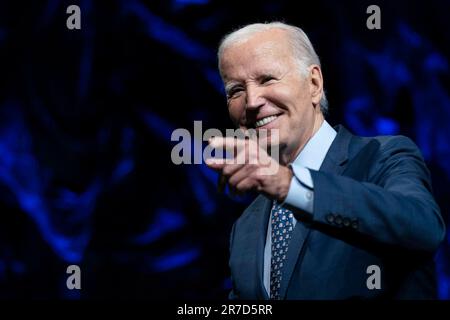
[{"x": 315, "y": 84}]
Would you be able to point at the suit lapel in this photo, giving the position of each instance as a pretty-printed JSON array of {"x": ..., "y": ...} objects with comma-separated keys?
[
  {"x": 334, "y": 162},
  {"x": 260, "y": 219},
  {"x": 337, "y": 156},
  {"x": 299, "y": 236}
]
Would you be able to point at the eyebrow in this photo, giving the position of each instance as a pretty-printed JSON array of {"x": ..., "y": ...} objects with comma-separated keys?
[{"x": 269, "y": 73}]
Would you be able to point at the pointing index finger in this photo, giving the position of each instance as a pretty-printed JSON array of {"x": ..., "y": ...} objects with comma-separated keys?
[{"x": 229, "y": 143}]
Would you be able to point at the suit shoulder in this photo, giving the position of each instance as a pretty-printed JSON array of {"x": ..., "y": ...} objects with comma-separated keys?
[
  {"x": 378, "y": 150},
  {"x": 395, "y": 140},
  {"x": 390, "y": 143},
  {"x": 398, "y": 143}
]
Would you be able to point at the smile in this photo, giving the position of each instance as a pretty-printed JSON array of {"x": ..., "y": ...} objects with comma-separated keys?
[{"x": 265, "y": 121}]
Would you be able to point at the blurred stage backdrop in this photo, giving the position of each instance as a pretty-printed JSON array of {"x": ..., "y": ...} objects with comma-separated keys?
[{"x": 86, "y": 118}]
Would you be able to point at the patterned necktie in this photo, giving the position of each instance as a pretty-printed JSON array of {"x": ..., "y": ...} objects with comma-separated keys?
[{"x": 282, "y": 226}]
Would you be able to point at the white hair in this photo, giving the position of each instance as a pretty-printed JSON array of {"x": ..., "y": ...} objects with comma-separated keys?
[{"x": 303, "y": 51}]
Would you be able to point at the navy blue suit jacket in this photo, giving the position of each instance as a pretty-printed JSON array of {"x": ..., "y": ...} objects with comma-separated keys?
[{"x": 373, "y": 205}]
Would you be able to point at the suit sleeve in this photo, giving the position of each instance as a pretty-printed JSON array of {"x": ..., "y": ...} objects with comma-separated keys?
[{"x": 395, "y": 207}]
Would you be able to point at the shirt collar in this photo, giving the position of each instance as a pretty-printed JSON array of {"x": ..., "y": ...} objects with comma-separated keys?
[{"x": 316, "y": 148}]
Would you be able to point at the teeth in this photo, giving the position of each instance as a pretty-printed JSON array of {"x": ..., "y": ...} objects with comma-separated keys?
[{"x": 264, "y": 121}]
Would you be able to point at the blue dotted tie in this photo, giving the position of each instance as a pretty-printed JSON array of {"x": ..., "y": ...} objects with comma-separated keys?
[{"x": 282, "y": 226}]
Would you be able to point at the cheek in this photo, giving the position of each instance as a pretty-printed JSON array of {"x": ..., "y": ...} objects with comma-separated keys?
[
  {"x": 284, "y": 96},
  {"x": 298, "y": 100},
  {"x": 236, "y": 110}
]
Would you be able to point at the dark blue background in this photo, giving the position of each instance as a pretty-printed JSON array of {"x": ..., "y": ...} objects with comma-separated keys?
[{"x": 86, "y": 118}]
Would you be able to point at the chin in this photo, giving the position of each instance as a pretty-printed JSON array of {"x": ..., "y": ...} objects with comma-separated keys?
[
  {"x": 269, "y": 145},
  {"x": 269, "y": 137}
]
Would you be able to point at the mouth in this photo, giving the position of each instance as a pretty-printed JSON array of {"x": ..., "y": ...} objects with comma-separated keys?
[{"x": 266, "y": 120}]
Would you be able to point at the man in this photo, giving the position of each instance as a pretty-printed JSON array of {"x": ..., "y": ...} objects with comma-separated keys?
[{"x": 344, "y": 216}]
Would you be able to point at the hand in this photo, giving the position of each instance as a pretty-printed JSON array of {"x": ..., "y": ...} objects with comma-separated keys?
[{"x": 252, "y": 168}]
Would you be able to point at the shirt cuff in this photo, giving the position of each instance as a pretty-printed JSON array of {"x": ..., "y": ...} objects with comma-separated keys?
[{"x": 301, "y": 189}]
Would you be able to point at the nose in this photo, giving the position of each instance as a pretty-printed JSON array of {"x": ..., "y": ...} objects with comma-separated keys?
[{"x": 254, "y": 97}]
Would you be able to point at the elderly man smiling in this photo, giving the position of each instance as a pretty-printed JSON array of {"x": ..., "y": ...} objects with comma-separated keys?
[{"x": 343, "y": 216}]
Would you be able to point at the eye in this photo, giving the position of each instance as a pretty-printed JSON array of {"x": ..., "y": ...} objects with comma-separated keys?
[
  {"x": 233, "y": 91},
  {"x": 267, "y": 78}
]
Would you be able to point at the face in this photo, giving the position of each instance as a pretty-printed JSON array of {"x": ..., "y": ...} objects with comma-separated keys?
[{"x": 265, "y": 90}]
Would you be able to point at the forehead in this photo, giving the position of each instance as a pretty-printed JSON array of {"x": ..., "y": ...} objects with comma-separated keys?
[{"x": 267, "y": 51}]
